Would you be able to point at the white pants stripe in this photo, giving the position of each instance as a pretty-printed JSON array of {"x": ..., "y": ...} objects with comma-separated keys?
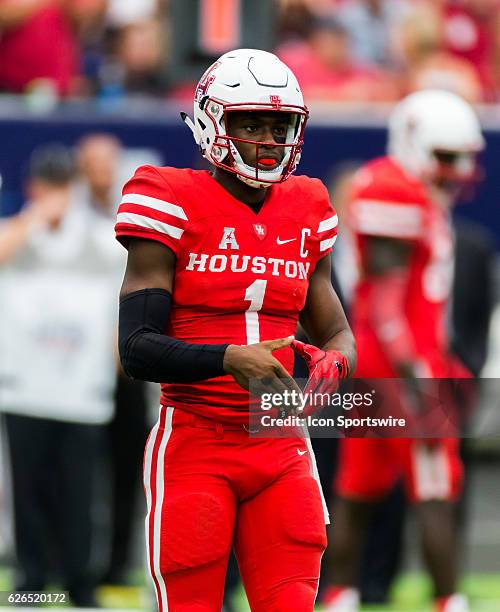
[
  {"x": 432, "y": 472},
  {"x": 154, "y": 485},
  {"x": 315, "y": 473}
]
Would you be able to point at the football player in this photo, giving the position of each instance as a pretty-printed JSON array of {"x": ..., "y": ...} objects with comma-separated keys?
[
  {"x": 222, "y": 264},
  {"x": 400, "y": 216}
]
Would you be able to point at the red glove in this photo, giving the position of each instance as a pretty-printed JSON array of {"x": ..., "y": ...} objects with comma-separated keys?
[{"x": 326, "y": 368}]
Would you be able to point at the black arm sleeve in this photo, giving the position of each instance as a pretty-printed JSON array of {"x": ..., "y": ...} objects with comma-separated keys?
[{"x": 147, "y": 354}]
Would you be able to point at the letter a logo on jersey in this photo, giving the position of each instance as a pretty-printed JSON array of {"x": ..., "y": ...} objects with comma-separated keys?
[
  {"x": 260, "y": 230},
  {"x": 229, "y": 239}
]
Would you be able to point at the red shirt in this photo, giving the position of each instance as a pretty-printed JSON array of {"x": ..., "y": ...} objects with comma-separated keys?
[
  {"x": 240, "y": 277},
  {"x": 389, "y": 202},
  {"x": 43, "y": 46}
]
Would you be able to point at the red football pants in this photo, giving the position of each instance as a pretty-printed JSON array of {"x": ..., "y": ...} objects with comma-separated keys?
[
  {"x": 370, "y": 467},
  {"x": 210, "y": 486}
]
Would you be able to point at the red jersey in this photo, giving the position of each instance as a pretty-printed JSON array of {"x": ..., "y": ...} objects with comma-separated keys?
[
  {"x": 389, "y": 202},
  {"x": 240, "y": 277}
]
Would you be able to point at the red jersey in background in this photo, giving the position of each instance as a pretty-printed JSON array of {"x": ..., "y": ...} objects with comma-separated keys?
[{"x": 388, "y": 202}]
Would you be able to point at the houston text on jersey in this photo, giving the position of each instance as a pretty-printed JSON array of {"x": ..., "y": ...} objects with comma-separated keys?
[{"x": 243, "y": 263}]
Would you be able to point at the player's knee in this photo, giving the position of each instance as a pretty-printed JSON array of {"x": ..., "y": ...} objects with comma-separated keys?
[
  {"x": 196, "y": 529},
  {"x": 304, "y": 520}
]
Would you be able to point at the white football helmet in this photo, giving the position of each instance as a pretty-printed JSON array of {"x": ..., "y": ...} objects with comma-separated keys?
[
  {"x": 435, "y": 134},
  {"x": 247, "y": 80}
]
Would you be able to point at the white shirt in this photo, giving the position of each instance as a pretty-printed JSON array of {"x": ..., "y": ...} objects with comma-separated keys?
[{"x": 58, "y": 313}]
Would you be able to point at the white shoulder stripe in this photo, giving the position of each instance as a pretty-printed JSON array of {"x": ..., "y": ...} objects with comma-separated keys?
[
  {"x": 388, "y": 218},
  {"x": 402, "y": 208},
  {"x": 147, "y": 222},
  {"x": 379, "y": 227},
  {"x": 329, "y": 223},
  {"x": 155, "y": 203},
  {"x": 326, "y": 244}
]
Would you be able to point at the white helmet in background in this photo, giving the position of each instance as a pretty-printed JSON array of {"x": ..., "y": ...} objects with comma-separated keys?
[
  {"x": 247, "y": 80},
  {"x": 435, "y": 135}
]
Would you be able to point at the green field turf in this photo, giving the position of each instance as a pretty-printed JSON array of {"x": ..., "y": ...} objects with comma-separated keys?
[{"x": 411, "y": 593}]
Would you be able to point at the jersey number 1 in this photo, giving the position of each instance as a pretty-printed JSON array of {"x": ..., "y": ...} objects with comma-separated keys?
[{"x": 255, "y": 295}]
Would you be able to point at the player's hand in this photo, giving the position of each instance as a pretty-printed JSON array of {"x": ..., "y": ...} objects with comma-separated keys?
[
  {"x": 326, "y": 368},
  {"x": 255, "y": 362}
]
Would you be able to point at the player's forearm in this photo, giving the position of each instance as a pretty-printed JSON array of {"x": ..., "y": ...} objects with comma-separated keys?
[
  {"x": 146, "y": 353},
  {"x": 324, "y": 319},
  {"x": 387, "y": 307},
  {"x": 343, "y": 342},
  {"x": 159, "y": 358}
]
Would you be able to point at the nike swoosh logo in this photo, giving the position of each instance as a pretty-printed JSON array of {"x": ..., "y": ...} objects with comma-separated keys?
[
  {"x": 285, "y": 241},
  {"x": 299, "y": 452}
]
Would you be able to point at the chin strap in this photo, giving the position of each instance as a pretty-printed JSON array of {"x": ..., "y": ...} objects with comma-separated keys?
[{"x": 188, "y": 121}]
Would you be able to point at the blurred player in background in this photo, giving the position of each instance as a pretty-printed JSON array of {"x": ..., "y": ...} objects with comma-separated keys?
[
  {"x": 58, "y": 281},
  {"x": 221, "y": 265},
  {"x": 400, "y": 215},
  {"x": 99, "y": 156}
]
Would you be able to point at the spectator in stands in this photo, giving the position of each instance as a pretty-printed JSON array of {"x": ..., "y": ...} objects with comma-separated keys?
[
  {"x": 295, "y": 17},
  {"x": 58, "y": 283},
  {"x": 37, "y": 43},
  {"x": 425, "y": 63},
  {"x": 122, "y": 13},
  {"x": 139, "y": 50},
  {"x": 89, "y": 22},
  {"x": 316, "y": 7},
  {"x": 326, "y": 69},
  {"x": 135, "y": 61},
  {"x": 369, "y": 24},
  {"x": 87, "y": 15}
]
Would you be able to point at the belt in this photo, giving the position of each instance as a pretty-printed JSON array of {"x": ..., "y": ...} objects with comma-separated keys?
[{"x": 181, "y": 417}]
